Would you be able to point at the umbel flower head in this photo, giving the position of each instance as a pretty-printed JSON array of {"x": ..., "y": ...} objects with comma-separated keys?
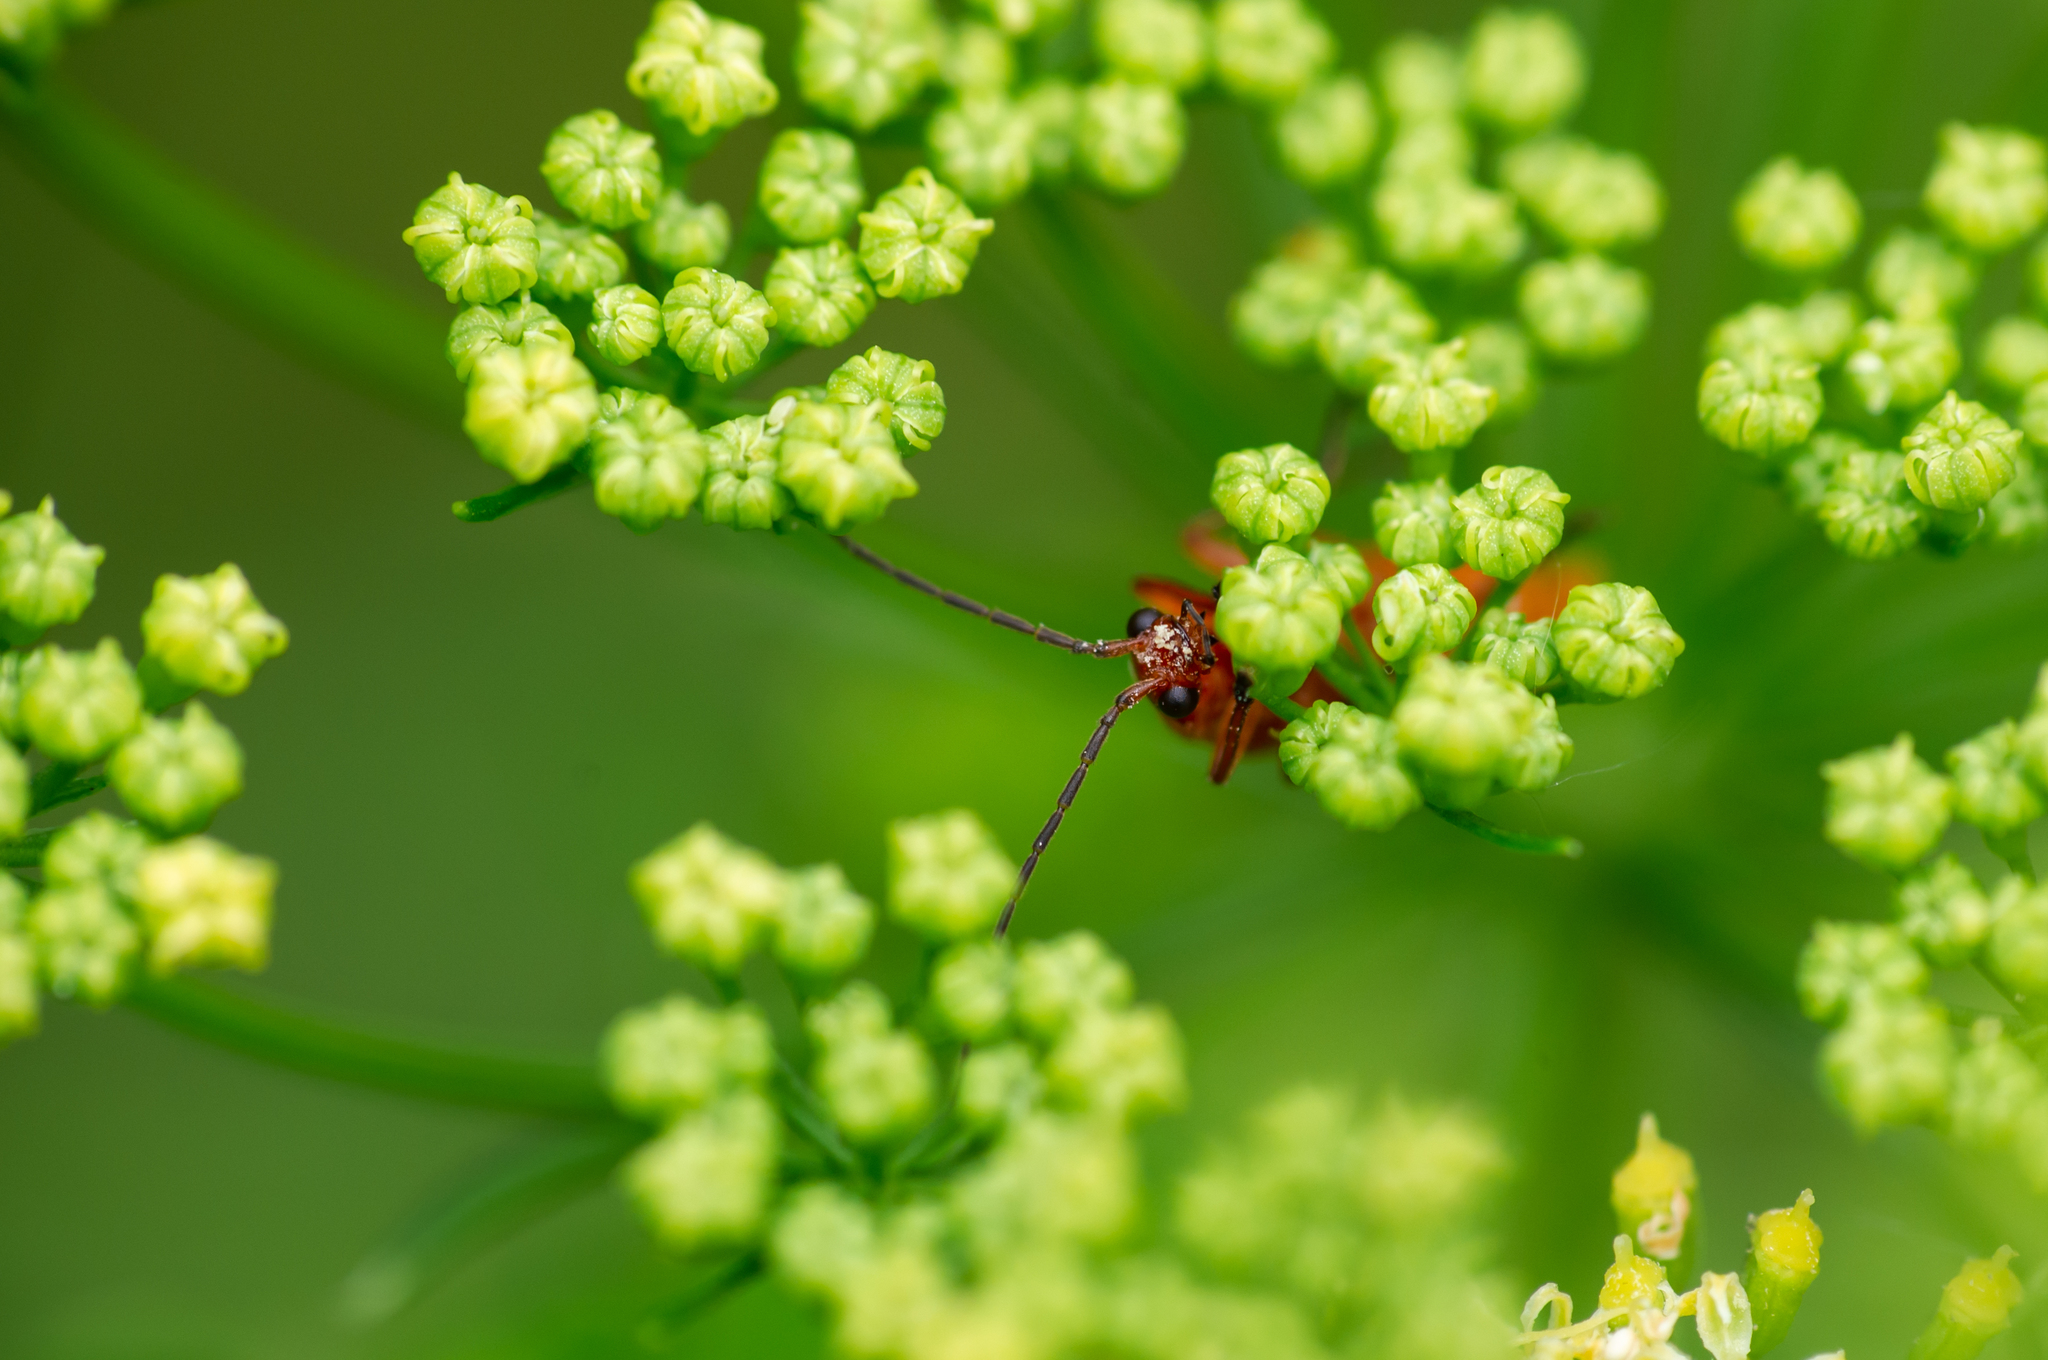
[
  {"x": 1523, "y": 70},
  {"x": 606, "y": 173},
  {"x": 702, "y": 71},
  {"x": 1585, "y": 308},
  {"x": 529, "y": 408},
  {"x": 1326, "y": 133},
  {"x": 819, "y": 293},
  {"x": 708, "y": 900},
  {"x": 741, "y": 464},
  {"x": 1414, "y": 522},
  {"x": 1367, "y": 324},
  {"x": 1587, "y": 197},
  {"x": 1130, "y": 137},
  {"x": 1271, "y": 495},
  {"x": 46, "y": 575},
  {"x": 475, "y": 245},
  {"x": 665, "y": 1060},
  {"x": 919, "y": 239},
  {"x": 210, "y": 632},
  {"x": 718, "y": 324},
  {"x": 811, "y": 185}
]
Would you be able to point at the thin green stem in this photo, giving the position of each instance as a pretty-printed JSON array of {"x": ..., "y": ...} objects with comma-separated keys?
[
  {"x": 659, "y": 1331},
  {"x": 57, "y": 784},
  {"x": 24, "y": 852},
  {"x": 808, "y": 1114},
  {"x": 1280, "y": 700},
  {"x": 1352, "y": 684},
  {"x": 229, "y": 257},
  {"x": 322, "y": 1048},
  {"x": 1526, "y": 842},
  {"x": 490, "y": 1203},
  {"x": 496, "y": 505}
]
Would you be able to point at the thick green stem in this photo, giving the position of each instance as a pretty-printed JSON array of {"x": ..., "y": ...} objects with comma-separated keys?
[
  {"x": 1526, "y": 842},
  {"x": 227, "y": 256},
  {"x": 324, "y": 1049}
]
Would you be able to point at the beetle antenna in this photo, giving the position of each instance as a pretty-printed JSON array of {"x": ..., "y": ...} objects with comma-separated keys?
[
  {"x": 1124, "y": 702},
  {"x": 1038, "y": 632}
]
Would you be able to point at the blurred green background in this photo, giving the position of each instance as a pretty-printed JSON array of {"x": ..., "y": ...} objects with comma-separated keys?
[{"x": 479, "y": 727}]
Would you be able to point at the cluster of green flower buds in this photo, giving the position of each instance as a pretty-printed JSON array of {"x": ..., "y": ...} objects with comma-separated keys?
[
  {"x": 1431, "y": 381},
  {"x": 31, "y": 31},
  {"x": 1446, "y": 704},
  {"x": 1896, "y": 1055},
  {"x": 1852, "y": 402},
  {"x": 113, "y": 895},
  {"x": 1003, "y": 1056}
]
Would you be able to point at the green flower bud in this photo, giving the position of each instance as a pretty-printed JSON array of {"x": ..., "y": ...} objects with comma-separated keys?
[
  {"x": 1350, "y": 761},
  {"x": 982, "y": 147},
  {"x": 819, "y": 293},
  {"x": 1427, "y": 402},
  {"x": 1975, "y": 1306},
  {"x": 14, "y": 794},
  {"x": 1327, "y": 132},
  {"x": 1518, "y": 648},
  {"x": 474, "y": 245},
  {"x": 1845, "y": 962},
  {"x": 1498, "y": 355},
  {"x": 679, "y": 1055},
  {"x": 1588, "y": 198},
  {"x": 1885, "y": 806},
  {"x": 1524, "y": 69},
  {"x": 862, "y": 62},
  {"x": 2034, "y": 412},
  {"x": 709, "y": 1179},
  {"x": 1060, "y": 980},
  {"x": 823, "y": 1235},
  {"x": 840, "y": 464},
  {"x": 702, "y": 71},
  {"x": 1062, "y": 1182},
  {"x": 1806, "y": 471},
  {"x": 970, "y": 990},
  {"x": 603, "y": 171},
  {"x": 856, "y": 1011},
  {"x": 1797, "y": 220},
  {"x": 175, "y": 773},
  {"x": 978, "y": 60},
  {"x": 1055, "y": 109},
  {"x": 46, "y": 575},
  {"x": 1890, "y": 1064},
  {"x": 1374, "y": 319},
  {"x": 210, "y": 632},
  {"x": 1444, "y": 223},
  {"x": 1760, "y": 402},
  {"x": 1995, "y": 1083},
  {"x": 529, "y": 409},
  {"x": 646, "y": 459},
  {"x": 476, "y": 331},
  {"x": 2013, "y": 355},
  {"x": 1420, "y": 78},
  {"x": 2018, "y": 515},
  {"x": 85, "y": 944},
  {"x": 18, "y": 1004},
  {"x": 1584, "y": 309},
  {"x": 1633, "y": 1281},
  {"x": 1121, "y": 1064},
  {"x": 1414, "y": 523},
  {"x": 1511, "y": 520},
  {"x": 824, "y": 925},
  {"x": 920, "y": 239},
  {"x": 1867, "y": 509},
  {"x": 1960, "y": 455},
  {"x": 1268, "y": 51},
  {"x": 1943, "y": 912},
  {"x": 998, "y": 1085},
  {"x": 77, "y": 706},
  {"x": 948, "y": 876},
  {"x": 1826, "y": 324},
  {"x": 1989, "y": 187},
  {"x": 1457, "y": 723},
  {"x": 1270, "y": 495},
  {"x": 1130, "y": 137},
  {"x": 1991, "y": 787},
  {"x": 877, "y": 1087},
  {"x": 1420, "y": 609},
  {"x": 1281, "y": 613},
  {"x": 717, "y": 323},
  {"x": 1916, "y": 278},
  {"x": 2016, "y": 950},
  {"x": 741, "y": 475},
  {"x": 1275, "y": 316},
  {"x": 811, "y": 185},
  {"x": 1539, "y": 752},
  {"x": 202, "y": 903},
  {"x": 708, "y": 900},
  {"x": 683, "y": 235},
  {"x": 1652, "y": 1192},
  {"x": 1153, "y": 42},
  {"x": 907, "y": 389},
  {"x": 96, "y": 849},
  {"x": 1614, "y": 642},
  {"x": 1344, "y": 567},
  {"x": 625, "y": 323},
  {"x": 1021, "y": 18},
  {"x": 1434, "y": 148}
]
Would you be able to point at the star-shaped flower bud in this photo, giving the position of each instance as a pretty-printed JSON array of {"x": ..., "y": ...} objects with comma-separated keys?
[
  {"x": 709, "y": 1179},
  {"x": 1274, "y": 317},
  {"x": 1915, "y": 277},
  {"x": 1157, "y": 42},
  {"x": 1518, "y": 648},
  {"x": 646, "y": 459},
  {"x": 1614, "y": 641},
  {"x": 1456, "y": 724},
  {"x": 1990, "y": 779},
  {"x": 876, "y": 1087},
  {"x": 824, "y": 925},
  {"x": 920, "y": 239},
  {"x": 85, "y": 944},
  {"x": 1540, "y": 750},
  {"x": 1062, "y": 979},
  {"x": 77, "y": 706},
  {"x": 606, "y": 173},
  {"x": 1943, "y": 912},
  {"x": 1586, "y": 196},
  {"x": 1121, "y": 1065},
  {"x": 679, "y": 1055},
  {"x": 1414, "y": 522},
  {"x": 819, "y": 293},
  {"x": 1989, "y": 187},
  {"x": 1846, "y": 960},
  {"x": 1759, "y": 401},
  {"x": 1325, "y": 133},
  {"x": 683, "y": 235},
  {"x": 1584, "y": 309},
  {"x": 1055, "y": 108},
  {"x": 529, "y": 409},
  {"x": 174, "y": 773},
  {"x": 1960, "y": 455},
  {"x": 46, "y": 575},
  {"x": 476, "y": 331},
  {"x": 1428, "y": 400},
  {"x": 1524, "y": 70},
  {"x": 907, "y": 389},
  {"x": 1885, "y": 806},
  {"x": 1344, "y": 567},
  {"x": 2013, "y": 353},
  {"x": 1420, "y": 79},
  {"x": 999, "y": 1085},
  {"x": 1419, "y": 610},
  {"x": 1866, "y": 508},
  {"x": 948, "y": 876},
  {"x": 1351, "y": 762},
  {"x": 1280, "y": 614},
  {"x": 625, "y": 323},
  {"x": 1268, "y": 51},
  {"x": 970, "y": 989},
  {"x": 1995, "y": 1083},
  {"x": 2016, "y": 951},
  {"x": 840, "y": 464},
  {"x": 717, "y": 323},
  {"x": 1270, "y": 495},
  {"x": 811, "y": 185},
  {"x": 1130, "y": 138},
  {"x": 576, "y": 261},
  {"x": 862, "y": 62},
  {"x": 823, "y": 1235},
  {"x": 741, "y": 467},
  {"x": 1444, "y": 223},
  {"x": 1376, "y": 318},
  {"x": 209, "y": 632},
  {"x": 475, "y": 245},
  {"x": 702, "y": 71},
  {"x": 708, "y": 900},
  {"x": 1498, "y": 355},
  {"x": 1509, "y": 521},
  {"x": 202, "y": 903},
  {"x": 1797, "y": 220},
  {"x": 1891, "y": 1064},
  {"x": 981, "y": 145},
  {"x": 978, "y": 60},
  {"x": 96, "y": 849}
]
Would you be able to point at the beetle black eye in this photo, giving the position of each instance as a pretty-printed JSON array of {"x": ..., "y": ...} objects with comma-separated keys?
[
  {"x": 1177, "y": 701},
  {"x": 1140, "y": 621}
]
